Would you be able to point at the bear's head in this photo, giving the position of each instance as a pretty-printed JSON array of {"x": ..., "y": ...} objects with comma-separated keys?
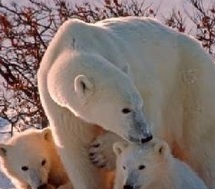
[
  {"x": 26, "y": 157},
  {"x": 99, "y": 93},
  {"x": 141, "y": 165}
]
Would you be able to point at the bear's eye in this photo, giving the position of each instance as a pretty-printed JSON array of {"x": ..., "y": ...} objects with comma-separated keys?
[
  {"x": 126, "y": 110},
  {"x": 24, "y": 168},
  {"x": 141, "y": 167},
  {"x": 124, "y": 167},
  {"x": 43, "y": 162}
]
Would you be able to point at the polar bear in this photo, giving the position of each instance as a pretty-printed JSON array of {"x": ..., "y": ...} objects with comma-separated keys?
[
  {"x": 31, "y": 161},
  {"x": 134, "y": 77},
  {"x": 152, "y": 166}
]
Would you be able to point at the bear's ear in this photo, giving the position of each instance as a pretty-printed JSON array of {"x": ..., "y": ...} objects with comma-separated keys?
[
  {"x": 162, "y": 148},
  {"x": 3, "y": 150},
  {"x": 118, "y": 147},
  {"x": 83, "y": 87},
  {"x": 47, "y": 134}
]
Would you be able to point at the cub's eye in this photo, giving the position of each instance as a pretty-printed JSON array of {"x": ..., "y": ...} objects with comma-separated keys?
[
  {"x": 43, "y": 162},
  {"x": 141, "y": 167},
  {"x": 126, "y": 110},
  {"x": 124, "y": 167},
  {"x": 24, "y": 168}
]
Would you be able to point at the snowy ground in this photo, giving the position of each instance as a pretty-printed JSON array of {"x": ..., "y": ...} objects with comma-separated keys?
[
  {"x": 5, "y": 183},
  {"x": 4, "y": 127}
]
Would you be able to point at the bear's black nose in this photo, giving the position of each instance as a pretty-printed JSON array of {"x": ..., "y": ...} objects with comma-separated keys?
[
  {"x": 43, "y": 186},
  {"x": 144, "y": 140},
  {"x": 128, "y": 186}
]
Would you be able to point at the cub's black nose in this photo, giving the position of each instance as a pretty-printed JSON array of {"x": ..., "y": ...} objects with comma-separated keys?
[
  {"x": 43, "y": 186},
  {"x": 144, "y": 140},
  {"x": 128, "y": 187}
]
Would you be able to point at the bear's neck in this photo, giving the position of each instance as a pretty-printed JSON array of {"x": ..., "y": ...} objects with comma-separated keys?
[{"x": 62, "y": 121}]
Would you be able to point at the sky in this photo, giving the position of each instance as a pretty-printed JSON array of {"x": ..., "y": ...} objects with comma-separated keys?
[{"x": 165, "y": 5}]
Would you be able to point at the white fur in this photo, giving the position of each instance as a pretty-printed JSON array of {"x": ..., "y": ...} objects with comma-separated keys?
[
  {"x": 172, "y": 72},
  {"x": 161, "y": 170},
  {"x": 30, "y": 148}
]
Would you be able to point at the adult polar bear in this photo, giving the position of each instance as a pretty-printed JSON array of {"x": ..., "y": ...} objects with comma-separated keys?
[{"x": 172, "y": 72}]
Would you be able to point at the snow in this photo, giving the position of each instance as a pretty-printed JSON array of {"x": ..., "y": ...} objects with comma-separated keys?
[{"x": 4, "y": 182}]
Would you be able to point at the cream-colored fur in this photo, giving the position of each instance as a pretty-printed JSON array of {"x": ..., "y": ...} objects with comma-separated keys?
[
  {"x": 152, "y": 166},
  {"x": 36, "y": 152}
]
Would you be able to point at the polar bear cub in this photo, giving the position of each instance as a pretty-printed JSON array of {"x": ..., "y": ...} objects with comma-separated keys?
[
  {"x": 31, "y": 161},
  {"x": 152, "y": 166}
]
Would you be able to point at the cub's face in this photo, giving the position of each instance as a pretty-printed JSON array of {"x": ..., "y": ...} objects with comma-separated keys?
[
  {"x": 139, "y": 165},
  {"x": 27, "y": 158},
  {"x": 32, "y": 168}
]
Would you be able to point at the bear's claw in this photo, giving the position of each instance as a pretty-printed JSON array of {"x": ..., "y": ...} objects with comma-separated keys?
[
  {"x": 101, "y": 151},
  {"x": 97, "y": 159}
]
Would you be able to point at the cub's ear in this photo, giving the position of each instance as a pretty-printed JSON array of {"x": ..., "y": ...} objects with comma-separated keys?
[
  {"x": 3, "y": 150},
  {"x": 83, "y": 87},
  {"x": 162, "y": 148},
  {"x": 118, "y": 147},
  {"x": 47, "y": 134}
]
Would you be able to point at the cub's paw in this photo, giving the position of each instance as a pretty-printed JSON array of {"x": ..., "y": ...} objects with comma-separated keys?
[{"x": 101, "y": 151}]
